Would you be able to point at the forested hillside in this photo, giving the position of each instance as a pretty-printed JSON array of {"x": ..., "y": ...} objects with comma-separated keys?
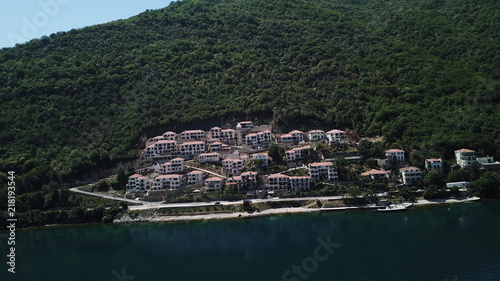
[{"x": 424, "y": 74}]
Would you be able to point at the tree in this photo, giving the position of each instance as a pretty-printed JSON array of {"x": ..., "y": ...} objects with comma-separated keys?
[
  {"x": 458, "y": 176},
  {"x": 276, "y": 152},
  {"x": 486, "y": 186},
  {"x": 434, "y": 177}
]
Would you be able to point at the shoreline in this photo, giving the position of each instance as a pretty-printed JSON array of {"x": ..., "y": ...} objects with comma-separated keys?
[{"x": 273, "y": 212}]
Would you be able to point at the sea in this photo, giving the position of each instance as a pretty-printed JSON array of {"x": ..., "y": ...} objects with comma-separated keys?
[{"x": 443, "y": 242}]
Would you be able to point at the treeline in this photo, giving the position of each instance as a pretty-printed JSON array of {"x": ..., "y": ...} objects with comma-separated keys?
[{"x": 422, "y": 74}]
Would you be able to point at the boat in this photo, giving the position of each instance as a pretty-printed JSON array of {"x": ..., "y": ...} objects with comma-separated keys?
[{"x": 396, "y": 207}]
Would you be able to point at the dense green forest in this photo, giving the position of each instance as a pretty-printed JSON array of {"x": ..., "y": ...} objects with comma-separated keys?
[{"x": 424, "y": 74}]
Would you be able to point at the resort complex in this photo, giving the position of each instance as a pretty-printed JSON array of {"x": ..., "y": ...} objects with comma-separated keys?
[{"x": 253, "y": 160}]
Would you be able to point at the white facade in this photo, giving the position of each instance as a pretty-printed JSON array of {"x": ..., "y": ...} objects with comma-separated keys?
[
  {"x": 254, "y": 139},
  {"x": 160, "y": 147},
  {"x": 169, "y": 182},
  {"x": 316, "y": 135},
  {"x": 175, "y": 165},
  {"x": 227, "y": 135},
  {"x": 323, "y": 171},
  {"x": 297, "y": 135},
  {"x": 395, "y": 154},
  {"x": 209, "y": 157},
  {"x": 334, "y": 136},
  {"x": 214, "y": 184},
  {"x": 262, "y": 157},
  {"x": 277, "y": 182},
  {"x": 233, "y": 166},
  {"x": 193, "y": 135},
  {"x": 192, "y": 148},
  {"x": 465, "y": 157},
  {"x": 137, "y": 183},
  {"x": 194, "y": 177},
  {"x": 434, "y": 164},
  {"x": 246, "y": 181},
  {"x": 300, "y": 183},
  {"x": 410, "y": 175},
  {"x": 296, "y": 153},
  {"x": 169, "y": 136}
]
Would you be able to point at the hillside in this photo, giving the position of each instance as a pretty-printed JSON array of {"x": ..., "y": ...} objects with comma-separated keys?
[{"x": 425, "y": 74}]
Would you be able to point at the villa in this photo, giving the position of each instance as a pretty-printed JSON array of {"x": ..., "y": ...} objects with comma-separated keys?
[
  {"x": 169, "y": 182},
  {"x": 192, "y": 148},
  {"x": 376, "y": 175},
  {"x": 214, "y": 184},
  {"x": 297, "y": 135},
  {"x": 212, "y": 157},
  {"x": 323, "y": 171},
  {"x": 335, "y": 136},
  {"x": 410, "y": 175},
  {"x": 194, "y": 177},
  {"x": 300, "y": 183},
  {"x": 175, "y": 165},
  {"x": 278, "y": 182},
  {"x": 465, "y": 157},
  {"x": 395, "y": 154},
  {"x": 246, "y": 181},
  {"x": 316, "y": 135},
  {"x": 193, "y": 135},
  {"x": 296, "y": 153},
  {"x": 434, "y": 164},
  {"x": 232, "y": 166}
]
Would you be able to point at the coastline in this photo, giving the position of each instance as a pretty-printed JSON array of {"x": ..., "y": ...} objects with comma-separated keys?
[{"x": 271, "y": 212}]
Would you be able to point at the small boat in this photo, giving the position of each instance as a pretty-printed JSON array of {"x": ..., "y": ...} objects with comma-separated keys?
[{"x": 396, "y": 207}]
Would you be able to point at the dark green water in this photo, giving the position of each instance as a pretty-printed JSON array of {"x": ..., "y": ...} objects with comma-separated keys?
[{"x": 452, "y": 242}]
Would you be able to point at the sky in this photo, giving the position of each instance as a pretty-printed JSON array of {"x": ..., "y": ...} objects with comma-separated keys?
[{"x": 23, "y": 20}]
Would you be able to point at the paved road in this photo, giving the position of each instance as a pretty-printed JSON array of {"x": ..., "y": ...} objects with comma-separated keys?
[
  {"x": 142, "y": 205},
  {"x": 206, "y": 171},
  {"x": 75, "y": 189}
]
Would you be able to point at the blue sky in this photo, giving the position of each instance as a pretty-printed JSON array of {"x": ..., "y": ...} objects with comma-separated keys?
[{"x": 23, "y": 20}]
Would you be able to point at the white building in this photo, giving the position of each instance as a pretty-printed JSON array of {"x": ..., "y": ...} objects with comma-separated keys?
[
  {"x": 297, "y": 135},
  {"x": 214, "y": 133},
  {"x": 232, "y": 166},
  {"x": 227, "y": 135},
  {"x": 335, "y": 136},
  {"x": 212, "y": 157},
  {"x": 169, "y": 182},
  {"x": 410, "y": 175},
  {"x": 465, "y": 157},
  {"x": 320, "y": 171},
  {"x": 277, "y": 182},
  {"x": 260, "y": 138},
  {"x": 434, "y": 164},
  {"x": 193, "y": 135},
  {"x": 376, "y": 175},
  {"x": 192, "y": 148},
  {"x": 316, "y": 135},
  {"x": 395, "y": 154},
  {"x": 173, "y": 166},
  {"x": 224, "y": 135},
  {"x": 160, "y": 147},
  {"x": 169, "y": 136},
  {"x": 261, "y": 157},
  {"x": 246, "y": 181},
  {"x": 137, "y": 183},
  {"x": 214, "y": 184},
  {"x": 296, "y": 153},
  {"x": 286, "y": 138},
  {"x": 300, "y": 183},
  {"x": 194, "y": 177}
]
